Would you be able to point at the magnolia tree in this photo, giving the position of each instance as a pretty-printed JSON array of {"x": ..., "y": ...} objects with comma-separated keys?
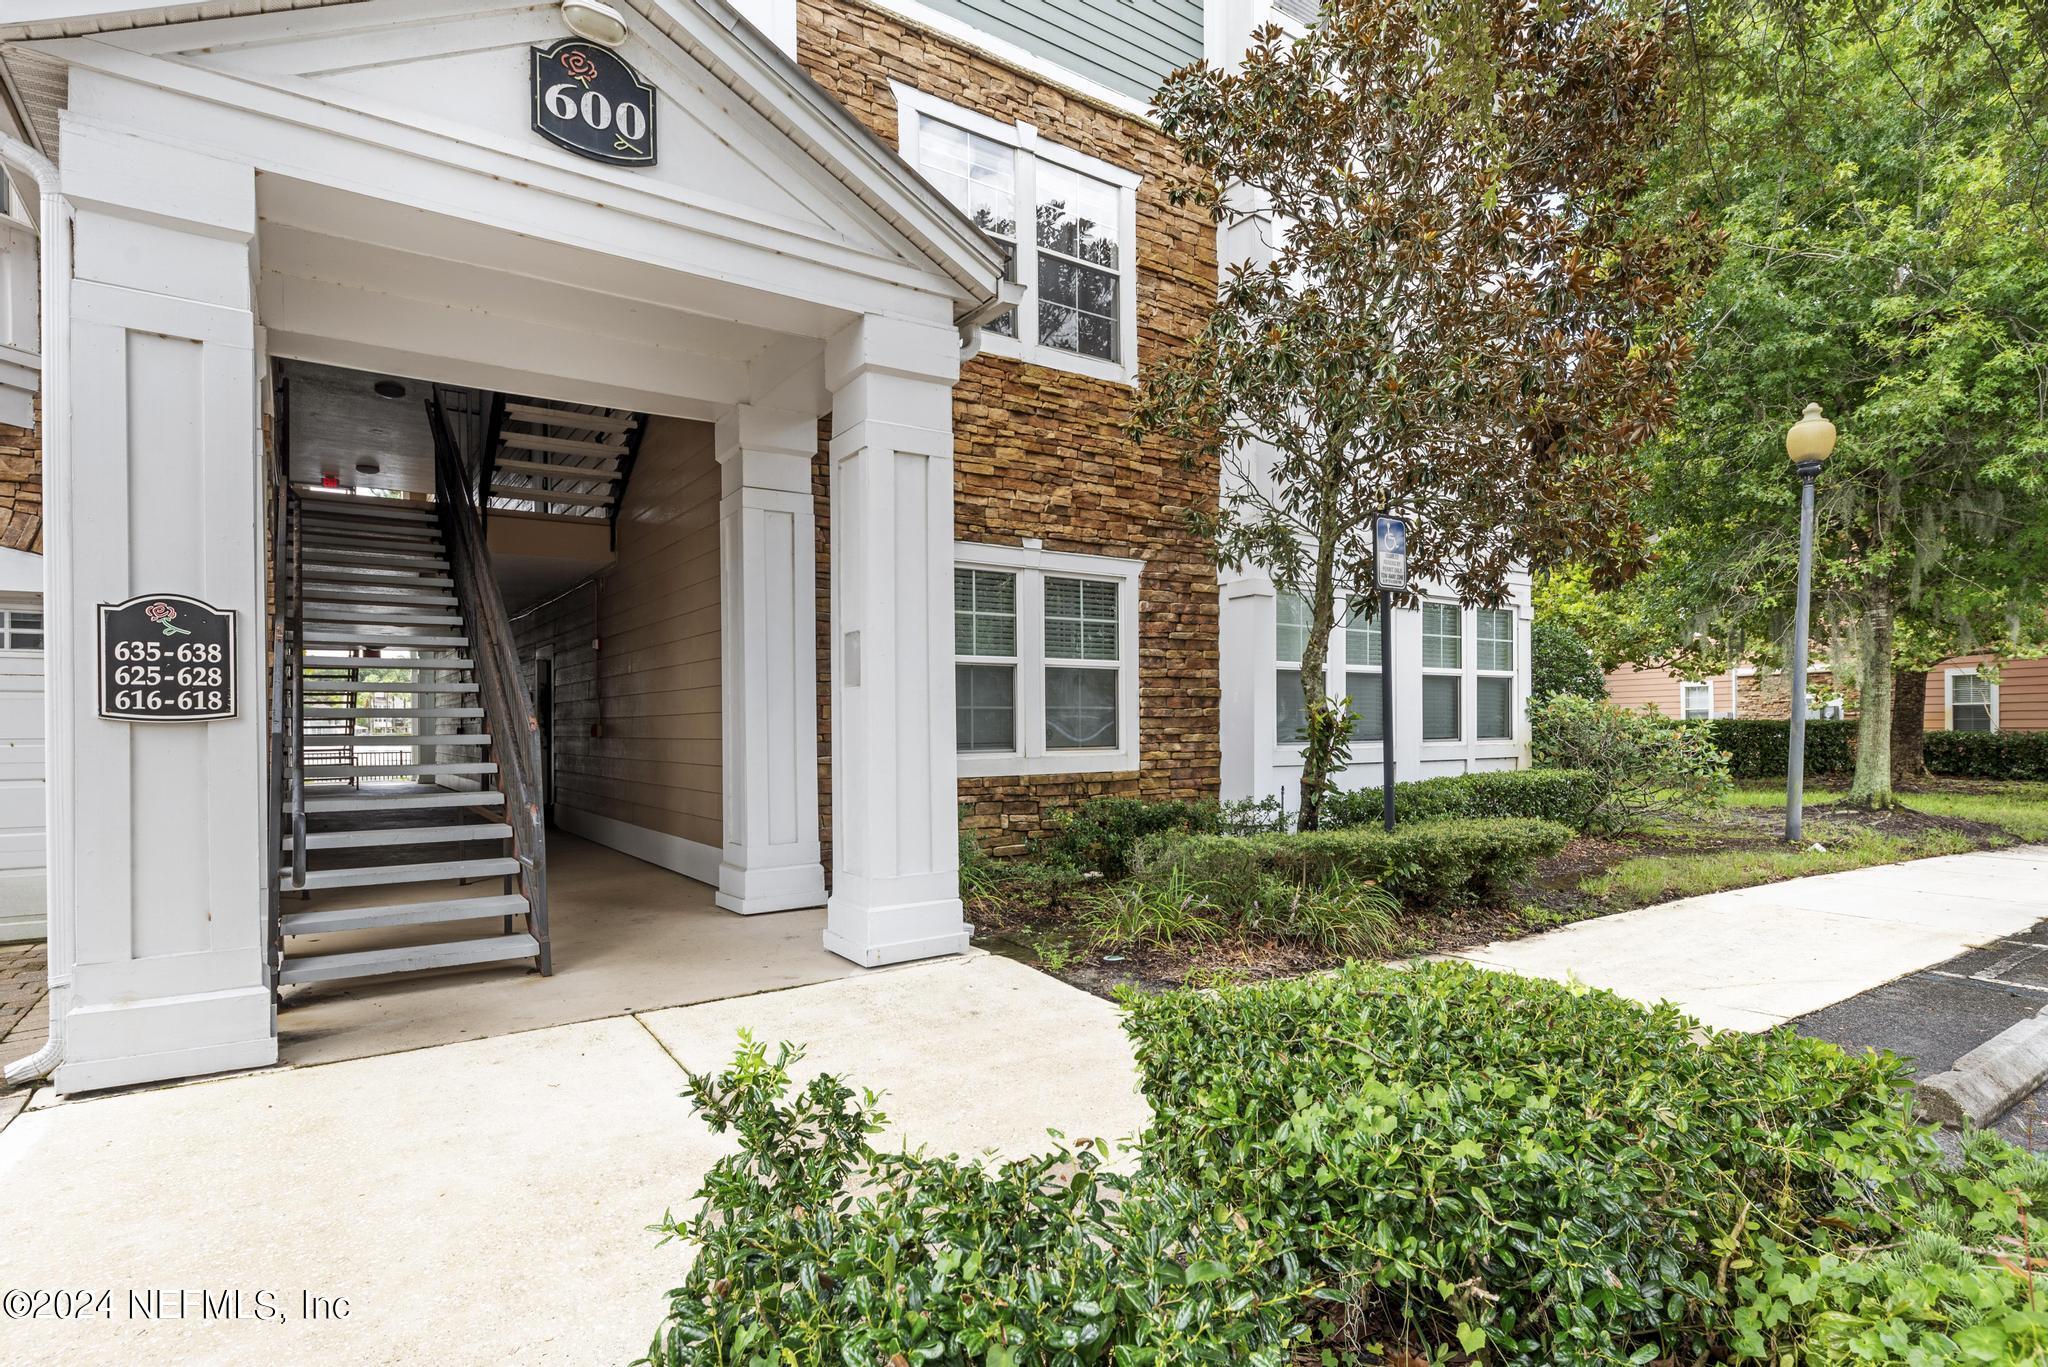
[{"x": 1457, "y": 315}]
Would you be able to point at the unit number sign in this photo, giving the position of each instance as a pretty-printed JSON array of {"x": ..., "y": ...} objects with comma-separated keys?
[
  {"x": 166, "y": 657},
  {"x": 588, "y": 100}
]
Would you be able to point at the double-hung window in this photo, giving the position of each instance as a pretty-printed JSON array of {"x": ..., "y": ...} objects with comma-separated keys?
[
  {"x": 1494, "y": 643},
  {"x": 1443, "y": 676},
  {"x": 1045, "y": 667},
  {"x": 1972, "y": 702},
  {"x": 1695, "y": 701},
  {"x": 1356, "y": 661},
  {"x": 1069, "y": 220}
]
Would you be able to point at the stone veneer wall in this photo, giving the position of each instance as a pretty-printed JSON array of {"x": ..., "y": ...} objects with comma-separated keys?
[
  {"x": 21, "y": 489},
  {"x": 1042, "y": 452}
]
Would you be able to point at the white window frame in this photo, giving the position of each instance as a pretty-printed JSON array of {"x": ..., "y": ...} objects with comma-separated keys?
[
  {"x": 1023, "y": 138},
  {"x": 1032, "y": 563},
  {"x": 1511, "y": 673},
  {"x": 1948, "y": 696},
  {"x": 1706, "y": 713},
  {"x": 1467, "y": 658},
  {"x": 8, "y": 609}
]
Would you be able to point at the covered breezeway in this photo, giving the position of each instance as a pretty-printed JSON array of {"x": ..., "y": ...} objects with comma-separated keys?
[{"x": 356, "y": 186}]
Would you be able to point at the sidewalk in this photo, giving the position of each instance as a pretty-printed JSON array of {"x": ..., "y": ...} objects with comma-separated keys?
[
  {"x": 24, "y": 1022},
  {"x": 1759, "y": 957},
  {"x": 488, "y": 1201}
]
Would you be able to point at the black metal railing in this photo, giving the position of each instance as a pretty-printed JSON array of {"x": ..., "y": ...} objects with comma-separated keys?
[{"x": 509, "y": 713}]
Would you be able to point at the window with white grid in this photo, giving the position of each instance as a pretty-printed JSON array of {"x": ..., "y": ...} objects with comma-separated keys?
[
  {"x": 1443, "y": 676},
  {"x": 1493, "y": 645},
  {"x": 1068, "y": 220},
  {"x": 1046, "y": 667}
]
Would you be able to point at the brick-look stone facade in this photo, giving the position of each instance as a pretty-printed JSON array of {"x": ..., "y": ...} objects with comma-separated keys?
[
  {"x": 21, "y": 489},
  {"x": 1042, "y": 452}
]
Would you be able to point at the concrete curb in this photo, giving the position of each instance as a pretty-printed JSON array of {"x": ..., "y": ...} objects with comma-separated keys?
[{"x": 1986, "y": 1082}]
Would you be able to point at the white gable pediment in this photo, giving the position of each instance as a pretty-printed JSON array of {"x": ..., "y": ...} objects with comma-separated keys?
[{"x": 744, "y": 139}]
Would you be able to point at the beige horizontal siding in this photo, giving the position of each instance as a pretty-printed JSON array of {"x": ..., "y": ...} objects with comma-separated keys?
[
  {"x": 2022, "y": 692},
  {"x": 649, "y": 686},
  {"x": 1656, "y": 690}
]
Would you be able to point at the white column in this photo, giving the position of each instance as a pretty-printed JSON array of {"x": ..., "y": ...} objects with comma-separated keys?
[
  {"x": 768, "y": 652},
  {"x": 162, "y": 826},
  {"x": 895, "y": 840}
]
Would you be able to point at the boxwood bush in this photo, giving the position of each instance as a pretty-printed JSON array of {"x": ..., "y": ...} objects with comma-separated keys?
[
  {"x": 1422, "y": 864},
  {"x": 1761, "y": 749},
  {"x": 1435, "y": 1164},
  {"x": 1568, "y": 796},
  {"x": 1988, "y": 754}
]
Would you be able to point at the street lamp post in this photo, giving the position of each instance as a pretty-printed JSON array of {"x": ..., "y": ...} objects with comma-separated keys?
[{"x": 1809, "y": 443}]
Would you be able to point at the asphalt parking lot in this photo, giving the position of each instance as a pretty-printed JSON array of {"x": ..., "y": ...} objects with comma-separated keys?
[{"x": 1935, "y": 1016}]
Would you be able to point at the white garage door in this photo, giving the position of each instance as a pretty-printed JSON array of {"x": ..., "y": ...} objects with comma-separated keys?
[{"x": 21, "y": 770}]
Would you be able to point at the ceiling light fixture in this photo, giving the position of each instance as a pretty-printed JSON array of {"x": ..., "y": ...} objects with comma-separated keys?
[
  {"x": 389, "y": 389},
  {"x": 368, "y": 467},
  {"x": 595, "y": 20}
]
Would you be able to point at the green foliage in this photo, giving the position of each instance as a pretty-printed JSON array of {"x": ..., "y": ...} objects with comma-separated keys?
[
  {"x": 813, "y": 1247},
  {"x": 1339, "y": 915},
  {"x": 1424, "y": 864},
  {"x": 1762, "y": 749},
  {"x": 1436, "y": 1163},
  {"x": 1877, "y": 168},
  {"x": 1957, "y": 1287},
  {"x": 1099, "y": 835},
  {"x": 1325, "y": 752},
  {"x": 1645, "y": 765},
  {"x": 1988, "y": 754},
  {"x": 1537, "y": 1173},
  {"x": 1153, "y": 912},
  {"x": 1568, "y": 796},
  {"x": 1559, "y": 662}
]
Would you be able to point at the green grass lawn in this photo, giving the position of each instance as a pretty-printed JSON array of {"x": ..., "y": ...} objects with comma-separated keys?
[{"x": 1735, "y": 847}]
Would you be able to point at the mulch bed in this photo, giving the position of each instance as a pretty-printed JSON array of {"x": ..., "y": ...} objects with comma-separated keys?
[{"x": 1551, "y": 896}]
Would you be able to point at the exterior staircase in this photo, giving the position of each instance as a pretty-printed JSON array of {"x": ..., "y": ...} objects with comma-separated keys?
[
  {"x": 558, "y": 460},
  {"x": 401, "y": 826}
]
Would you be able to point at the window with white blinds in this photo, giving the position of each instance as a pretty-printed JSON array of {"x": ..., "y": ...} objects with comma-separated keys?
[{"x": 1443, "y": 671}]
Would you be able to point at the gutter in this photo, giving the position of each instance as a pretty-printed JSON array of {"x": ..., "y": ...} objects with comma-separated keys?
[{"x": 54, "y": 233}]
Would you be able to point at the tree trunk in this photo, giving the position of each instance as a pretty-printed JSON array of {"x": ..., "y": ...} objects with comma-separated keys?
[
  {"x": 1872, "y": 786},
  {"x": 1322, "y": 620},
  {"x": 1909, "y": 726}
]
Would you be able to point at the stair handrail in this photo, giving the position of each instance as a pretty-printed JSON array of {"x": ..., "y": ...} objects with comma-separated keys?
[
  {"x": 295, "y": 731},
  {"x": 509, "y": 712},
  {"x": 280, "y": 709}
]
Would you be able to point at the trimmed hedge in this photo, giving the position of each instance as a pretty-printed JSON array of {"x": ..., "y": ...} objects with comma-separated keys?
[
  {"x": 1567, "y": 796},
  {"x": 1532, "y": 1172},
  {"x": 1449, "y": 860},
  {"x": 1988, "y": 754},
  {"x": 1760, "y": 749}
]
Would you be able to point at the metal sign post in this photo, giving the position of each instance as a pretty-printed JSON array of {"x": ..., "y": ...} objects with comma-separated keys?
[{"x": 1390, "y": 576}]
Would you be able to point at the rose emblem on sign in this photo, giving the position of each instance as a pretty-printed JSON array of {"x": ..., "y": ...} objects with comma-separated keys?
[{"x": 163, "y": 614}]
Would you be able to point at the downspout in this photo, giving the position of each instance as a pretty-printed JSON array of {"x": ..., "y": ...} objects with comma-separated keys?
[{"x": 54, "y": 234}]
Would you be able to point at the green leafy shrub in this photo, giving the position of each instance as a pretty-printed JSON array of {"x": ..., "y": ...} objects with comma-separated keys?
[
  {"x": 1531, "y": 1172},
  {"x": 1423, "y": 864},
  {"x": 1568, "y": 796},
  {"x": 1099, "y": 834},
  {"x": 1957, "y": 1286},
  {"x": 1645, "y": 766},
  {"x": 813, "y": 1247},
  {"x": 1988, "y": 754},
  {"x": 1559, "y": 662},
  {"x": 1759, "y": 748}
]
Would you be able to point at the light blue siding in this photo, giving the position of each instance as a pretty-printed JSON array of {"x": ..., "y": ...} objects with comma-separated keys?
[{"x": 1127, "y": 45}]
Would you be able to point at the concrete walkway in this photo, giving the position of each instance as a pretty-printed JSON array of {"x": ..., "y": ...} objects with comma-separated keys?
[
  {"x": 1758, "y": 957},
  {"x": 488, "y": 1201}
]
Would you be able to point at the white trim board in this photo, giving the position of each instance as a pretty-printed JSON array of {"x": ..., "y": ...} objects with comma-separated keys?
[{"x": 690, "y": 858}]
